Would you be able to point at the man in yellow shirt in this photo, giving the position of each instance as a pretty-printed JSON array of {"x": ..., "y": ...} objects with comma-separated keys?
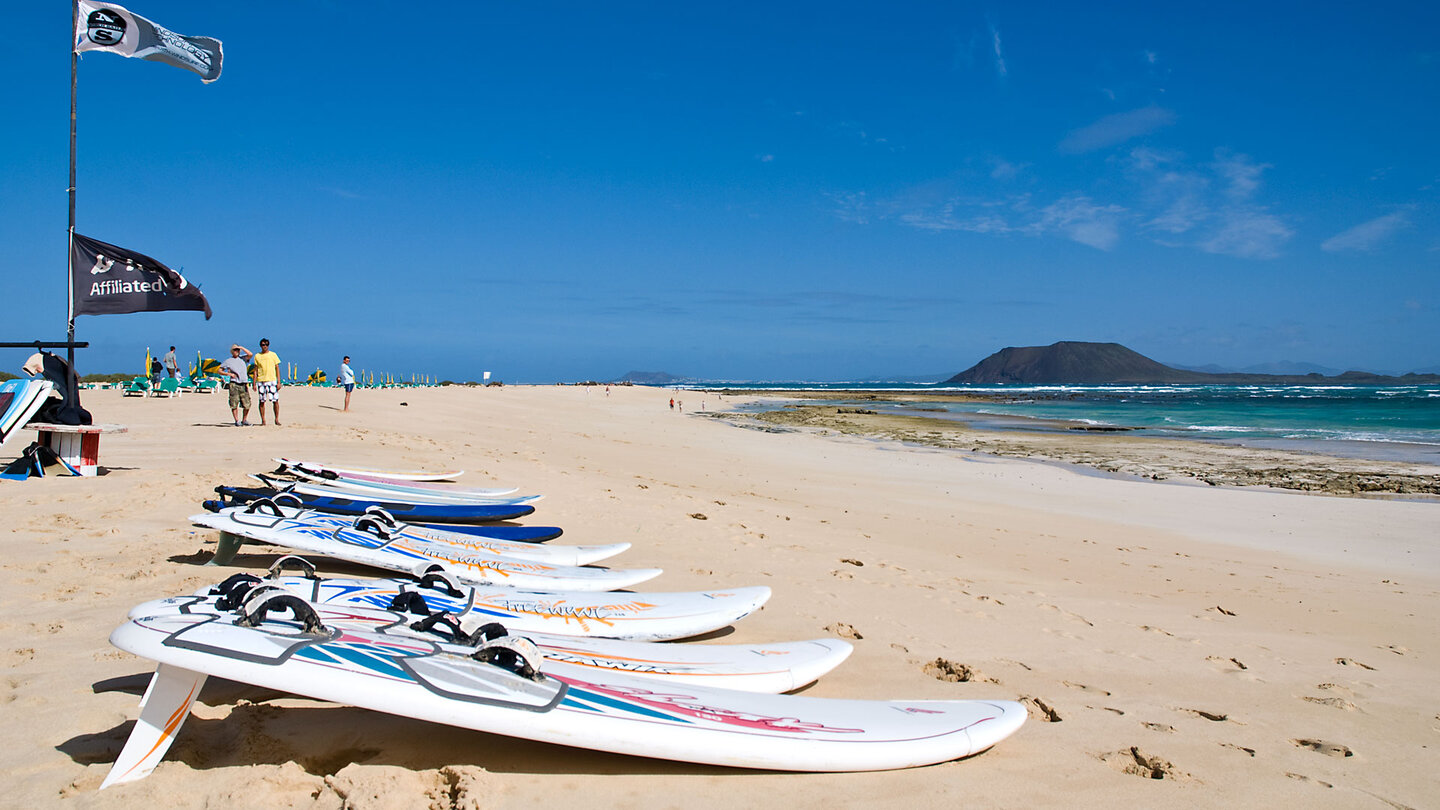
[{"x": 267, "y": 380}]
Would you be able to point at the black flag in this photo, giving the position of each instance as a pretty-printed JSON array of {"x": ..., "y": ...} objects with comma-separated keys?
[{"x": 110, "y": 280}]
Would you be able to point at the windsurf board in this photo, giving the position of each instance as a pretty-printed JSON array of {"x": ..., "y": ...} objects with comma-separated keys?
[
  {"x": 347, "y": 503},
  {"x": 370, "y": 543},
  {"x": 771, "y": 668},
  {"x": 398, "y": 475},
  {"x": 498, "y": 690}
]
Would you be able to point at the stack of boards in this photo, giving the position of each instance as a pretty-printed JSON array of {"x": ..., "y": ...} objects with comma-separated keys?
[
  {"x": 512, "y": 637},
  {"x": 19, "y": 400}
]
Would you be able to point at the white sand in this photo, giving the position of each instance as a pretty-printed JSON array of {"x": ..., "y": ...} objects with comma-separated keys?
[{"x": 1216, "y": 636}]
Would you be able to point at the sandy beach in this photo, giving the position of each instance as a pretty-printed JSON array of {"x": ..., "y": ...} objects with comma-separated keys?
[{"x": 1178, "y": 644}]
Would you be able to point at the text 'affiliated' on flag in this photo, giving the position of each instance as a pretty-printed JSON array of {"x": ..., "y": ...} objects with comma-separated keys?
[
  {"x": 110, "y": 280},
  {"x": 110, "y": 28}
]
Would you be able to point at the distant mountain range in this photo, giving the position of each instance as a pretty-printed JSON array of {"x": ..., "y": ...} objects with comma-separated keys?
[
  {"x": 1078, "y": 363},
  {"x": 1285, "y": 367}
]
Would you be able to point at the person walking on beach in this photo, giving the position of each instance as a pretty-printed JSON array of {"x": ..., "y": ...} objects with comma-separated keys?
[
  {"x": 346, "y": 377},
  {"x": 237, "y": 382},
  {"x": 672, "y": 403},
  {"x": 267, "y": 380},
  {"x": 155, "y": 369},
  {"x": 171, "y": 364}
]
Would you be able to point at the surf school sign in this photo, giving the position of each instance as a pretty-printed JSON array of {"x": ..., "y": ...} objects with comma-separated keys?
[{"x": 110, "y": 280}]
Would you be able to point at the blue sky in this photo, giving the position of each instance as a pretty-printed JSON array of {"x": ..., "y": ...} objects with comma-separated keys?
[{"x": 563, "y": 191}]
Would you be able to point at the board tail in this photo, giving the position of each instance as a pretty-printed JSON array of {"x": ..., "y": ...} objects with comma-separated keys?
[{"x": 162, "y": 712}]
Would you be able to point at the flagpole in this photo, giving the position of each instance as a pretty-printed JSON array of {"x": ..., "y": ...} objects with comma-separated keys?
[{"x": 70, "y": 247}]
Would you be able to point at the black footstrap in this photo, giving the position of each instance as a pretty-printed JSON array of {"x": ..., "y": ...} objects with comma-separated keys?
[{"x": 299, "y": 608}]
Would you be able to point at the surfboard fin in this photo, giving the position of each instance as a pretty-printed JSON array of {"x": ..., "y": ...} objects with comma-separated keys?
[
  {"x": 226, "y": 548},
  {"x": 162, "y": 712}
]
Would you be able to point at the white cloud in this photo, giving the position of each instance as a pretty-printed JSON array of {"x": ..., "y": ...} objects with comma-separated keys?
[
  {"x": 1242, "y": 174},
  {"x": 1116, "y": 129},
  {"x": 852, "y": 207},
  {"x": 999, "y": 53},
  {"x": 1004, "y": 170},
  {"x": 1074, "y": 217},
  {"x": 1367, "y": 235},
  {"x": 1080, "y": 219},
  {"x": 1216, "y": 206},
  {"x": 1248, "y": 234}
]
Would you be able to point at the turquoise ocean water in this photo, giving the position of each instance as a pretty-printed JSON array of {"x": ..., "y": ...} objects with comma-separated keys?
[{"x": 1380, "y": 422}]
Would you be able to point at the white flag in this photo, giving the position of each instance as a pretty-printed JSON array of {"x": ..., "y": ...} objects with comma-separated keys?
[{"x": 108, "y": 27}]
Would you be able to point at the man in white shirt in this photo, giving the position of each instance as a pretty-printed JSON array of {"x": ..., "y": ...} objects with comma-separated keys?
[
  {"x": 347, "y": 379},
  {"x": 238, "y": 382}
]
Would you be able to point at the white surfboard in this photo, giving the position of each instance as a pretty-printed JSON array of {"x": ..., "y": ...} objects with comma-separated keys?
[
  {"x": 338, "y": 489},
  {"x": 654, "y": 616},
  {"x": 415, "y": 489},
  {"x": 770, "y": 668},
  {"x": 399, "y": 475},
  {"x": 371, "y": 544},
  {"x": 497, "y": 690}
]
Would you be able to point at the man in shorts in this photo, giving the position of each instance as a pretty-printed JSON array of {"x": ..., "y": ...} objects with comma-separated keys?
[
  {"x": 347, "y": 379},
  {"x": 237, "y": 382},
  {"x": 267, "y": 380}
]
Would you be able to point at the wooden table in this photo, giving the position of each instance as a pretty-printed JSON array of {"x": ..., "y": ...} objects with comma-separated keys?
[{"x": 76, "y": 445}]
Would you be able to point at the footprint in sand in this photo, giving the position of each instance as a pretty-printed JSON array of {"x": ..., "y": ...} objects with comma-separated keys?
[
  {"x": 1329, "y": 749},
  {"x": 1227, "y": 664},
  {"x": 1336, "y": 703},
  {"x": 1161, "y": 727},
  {"x": 1085, "y": 687},
  {"x": 1041, "y": 710},
  {"x": 1344, "y": 691},
  {"x": 1351, "y": 662},
  {"x": 1067, "y": 614},
  {"x": 1137, "y": 763},
  {"x": 1300, "y": 777},
  {"x": 1213, "y": 717},
  {"x": 843, "y": 630},
  {"x": 1250, "y": 751},
  {"x": 954, "y": 672}
]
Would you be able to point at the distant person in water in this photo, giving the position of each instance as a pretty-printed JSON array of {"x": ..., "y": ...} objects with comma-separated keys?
[
  {"x": 267, "y": 380},
  {"x": 237, "y": 382},
  {"x": 346, "y": 377}
]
